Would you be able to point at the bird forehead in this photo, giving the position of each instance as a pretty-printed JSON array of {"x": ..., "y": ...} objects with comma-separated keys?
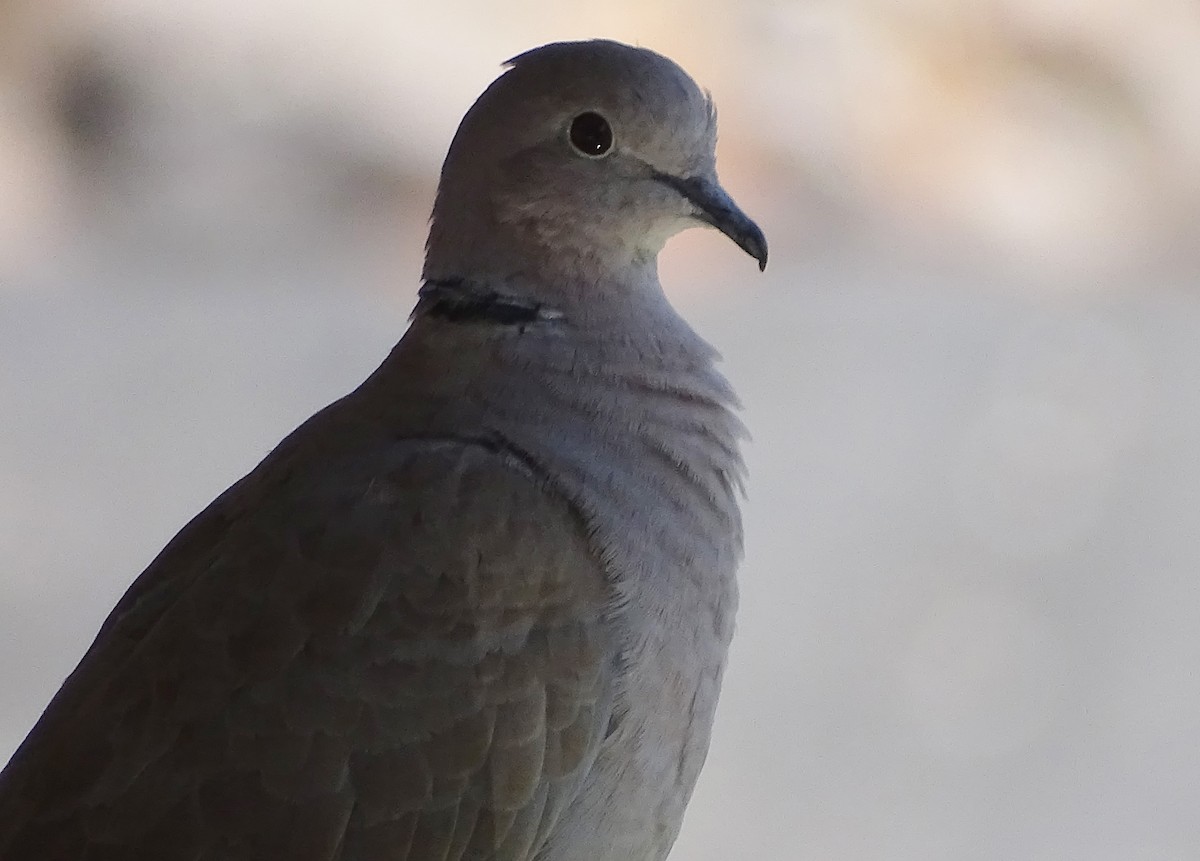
[
  {"x": 648, "y": 95},
  {"x": 601, "y": 65}
]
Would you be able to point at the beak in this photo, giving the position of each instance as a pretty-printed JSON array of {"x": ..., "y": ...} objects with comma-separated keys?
[{"x": 714, "y": 206}]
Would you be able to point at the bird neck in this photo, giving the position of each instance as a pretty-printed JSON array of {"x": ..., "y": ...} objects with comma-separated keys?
[
  {"x": 585, "y": 295},
  {"x": 614, "y": 354},
  {"x": 562, "y": 263}
]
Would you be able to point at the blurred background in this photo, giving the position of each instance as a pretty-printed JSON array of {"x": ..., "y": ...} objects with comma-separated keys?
[{"x": 972, "y": 371}]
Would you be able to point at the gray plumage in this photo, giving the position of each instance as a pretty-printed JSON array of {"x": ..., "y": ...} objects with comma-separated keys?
[{"x": 478, "y": 608}]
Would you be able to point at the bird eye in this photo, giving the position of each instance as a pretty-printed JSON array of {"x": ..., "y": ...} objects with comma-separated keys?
[{"x": 591, "y": 135}]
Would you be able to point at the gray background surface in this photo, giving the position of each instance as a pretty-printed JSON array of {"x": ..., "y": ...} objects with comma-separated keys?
[{"x": 972, "y": 370}]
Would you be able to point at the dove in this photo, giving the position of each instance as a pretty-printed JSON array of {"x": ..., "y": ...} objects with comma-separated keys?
[{"x": 480, "y": 607}]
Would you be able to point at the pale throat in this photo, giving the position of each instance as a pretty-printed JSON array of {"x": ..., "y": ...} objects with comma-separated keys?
[{"x": 567, "y": 271}]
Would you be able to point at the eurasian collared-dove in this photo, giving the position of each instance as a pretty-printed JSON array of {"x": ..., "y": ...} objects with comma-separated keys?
[{"x": 478, "y": 608}]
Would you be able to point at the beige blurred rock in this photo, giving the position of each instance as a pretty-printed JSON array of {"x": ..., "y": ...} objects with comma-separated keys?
[
  {"x": 1062, "y": 136},
  {"x": 34, "y": 38}
]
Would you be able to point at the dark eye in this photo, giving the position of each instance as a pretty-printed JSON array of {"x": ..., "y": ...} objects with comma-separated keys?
[{"x": 591, "y": 134}]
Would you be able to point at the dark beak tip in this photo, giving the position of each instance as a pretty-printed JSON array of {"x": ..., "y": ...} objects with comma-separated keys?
[
  {"x": 755, "y": 244},
  {"x": 761, "y": 248}
]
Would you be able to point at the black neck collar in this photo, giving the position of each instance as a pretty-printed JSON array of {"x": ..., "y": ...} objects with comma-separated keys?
[{"x": 457, "y": 300}]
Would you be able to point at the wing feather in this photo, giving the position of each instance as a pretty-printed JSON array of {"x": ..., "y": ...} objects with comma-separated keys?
[{"x": 407, "y": 661}]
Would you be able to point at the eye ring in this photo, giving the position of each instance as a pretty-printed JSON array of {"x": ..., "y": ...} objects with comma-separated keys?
[{"x": 591, "y": 135}]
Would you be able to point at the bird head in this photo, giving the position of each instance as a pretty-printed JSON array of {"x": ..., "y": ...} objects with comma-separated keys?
[{"x": 592, "y": 154}]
